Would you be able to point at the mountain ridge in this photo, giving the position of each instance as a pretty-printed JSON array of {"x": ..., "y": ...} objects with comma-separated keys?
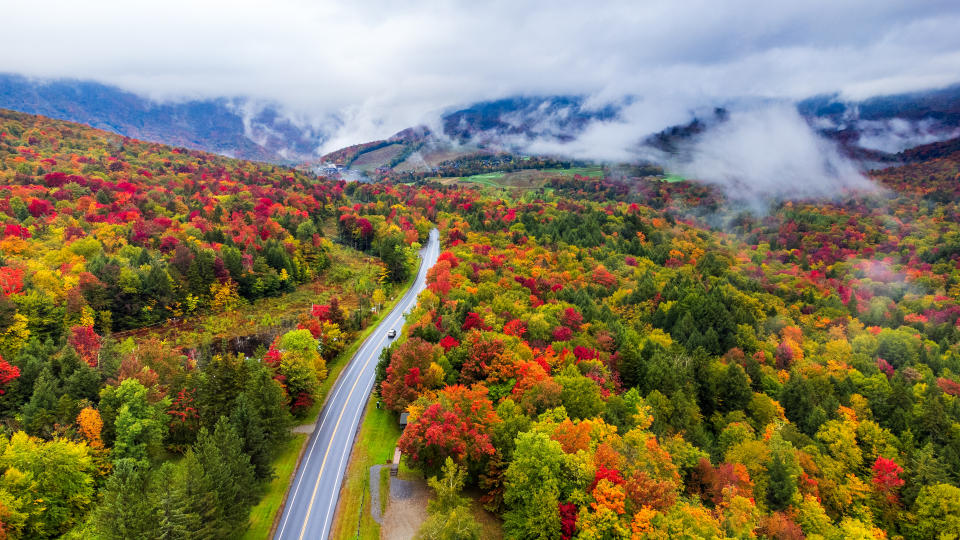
[{"x": 874, "y": 130}]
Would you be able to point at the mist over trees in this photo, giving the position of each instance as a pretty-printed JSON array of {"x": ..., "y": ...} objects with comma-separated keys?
[{"x": 598, "y": 357}]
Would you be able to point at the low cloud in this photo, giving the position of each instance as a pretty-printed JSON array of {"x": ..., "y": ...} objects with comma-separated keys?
[
  {"x": 757, "y": 150},
  {"x": 898, "y": 134},
  {"x": 377, "y": 67},
  {"x": 616, "y": 139},
  {"x": 769, "y": 151}
]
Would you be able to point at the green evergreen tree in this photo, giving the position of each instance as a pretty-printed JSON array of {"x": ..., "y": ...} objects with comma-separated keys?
[
  {"x": 124, "y": 511},
  {"x": 39, "y": 414},
  {"x": 228, "y": 475},
  {"x": 221, "y": 381},
  {"x": 631, "y": 360},
  {"x": 782, "y": 484},
  {"x": 734, "y": 388},
  {"x": 269, "y": 403},
  {"x": 200, "y": 498},
  {"x": 249, "y": 426},
  {"x": 171, "y": 505}
]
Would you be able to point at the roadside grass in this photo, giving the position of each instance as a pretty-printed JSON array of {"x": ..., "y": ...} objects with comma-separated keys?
[
  {"x": 375, "y": 442},
  {"x": 265, "y": 513},
  {"x": 384, "y": 489},
  {"x": 284, "y": 464}
]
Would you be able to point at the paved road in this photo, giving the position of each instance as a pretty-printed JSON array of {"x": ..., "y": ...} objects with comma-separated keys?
[{"x": 309, "y": 510}]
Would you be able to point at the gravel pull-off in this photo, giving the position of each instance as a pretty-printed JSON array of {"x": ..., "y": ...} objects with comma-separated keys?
[
  {"x": 305, "y": 428},
  {"x": 375, "y": 493},
  {"x": 406, "y": 510}
]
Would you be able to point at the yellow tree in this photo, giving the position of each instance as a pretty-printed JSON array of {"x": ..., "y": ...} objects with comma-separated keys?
[
  {"x": 90, "y": 425},
  {"x": 379, "y": 298}
]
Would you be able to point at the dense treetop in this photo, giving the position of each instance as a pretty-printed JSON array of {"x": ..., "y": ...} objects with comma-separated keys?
[
  {"x": 636, "y": 358},
  {"x": 603, "y": 358}
]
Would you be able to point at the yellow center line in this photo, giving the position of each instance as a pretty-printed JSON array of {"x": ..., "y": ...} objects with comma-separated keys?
[{"x": 336, "y": 426}]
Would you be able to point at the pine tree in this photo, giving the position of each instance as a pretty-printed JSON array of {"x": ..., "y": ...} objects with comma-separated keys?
[
  {"x": 200, "y": 498},
  {"x": 249, "y": 426},
  {"x": 157, "y": 286},
  {"x": 38, "y": 414},
  {"x": 782, "y": 484},
  {"x": 711, "y": 341},
  {"x": 171, "y": 505},
  {"x": 735, "y": 392},
  {"x": 227, "y": 475},
  {"x": 269, "y": 404},
  {"x": 221, "y": 381},
  {"x": 631, "y": 362},
  {"x": 124, "y": 511}
]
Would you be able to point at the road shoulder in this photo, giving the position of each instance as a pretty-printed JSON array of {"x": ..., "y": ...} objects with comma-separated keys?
[
  {"x": 272, "y": 502},
  {"x": 373, "y": 445}
]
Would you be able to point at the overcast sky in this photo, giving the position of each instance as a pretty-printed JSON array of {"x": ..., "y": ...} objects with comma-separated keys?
[{"x": 383, "y": 68}]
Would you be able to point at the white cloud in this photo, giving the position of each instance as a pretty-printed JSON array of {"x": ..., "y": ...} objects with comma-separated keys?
[
  {"x": 898, "y": 134},
  {"x": 381, "y": 67},
  {"x": 770, "y": 150}
]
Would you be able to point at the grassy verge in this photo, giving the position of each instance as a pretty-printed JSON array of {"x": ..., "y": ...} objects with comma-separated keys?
[
  {"x": 265, "y": 513},
  {"x": 343, "y": 359},
  {"x": 374, "y": 445},
  {"x": 262, "y": 515}
]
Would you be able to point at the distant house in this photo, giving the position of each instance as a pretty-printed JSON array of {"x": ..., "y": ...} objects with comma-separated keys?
[{"x": 395, "y": 463}]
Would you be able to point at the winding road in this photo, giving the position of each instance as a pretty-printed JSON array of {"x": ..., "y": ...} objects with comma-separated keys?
[{"x": 312, "y": 501}]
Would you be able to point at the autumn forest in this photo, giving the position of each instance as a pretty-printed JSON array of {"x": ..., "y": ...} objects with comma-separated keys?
[{"x": 593, "y": 357}]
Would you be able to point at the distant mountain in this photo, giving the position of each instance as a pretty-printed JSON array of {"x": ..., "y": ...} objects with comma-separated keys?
[
  {"x": 887, "y": 124},
  {"x": 480, "y": 131},
  {"x": 941, "y": 104},
  {"x": 556, "y": 117},
  {"x": 876, "y": 130},
  {"x": 930, "y": 151},
  {"x": 231, "y": 127}
]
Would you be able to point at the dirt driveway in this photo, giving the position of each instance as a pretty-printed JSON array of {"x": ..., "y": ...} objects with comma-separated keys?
[{"x": 406, "y": 511}]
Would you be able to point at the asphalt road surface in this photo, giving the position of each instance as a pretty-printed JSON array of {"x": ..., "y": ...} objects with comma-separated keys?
[{"x": 308, "y": 513}]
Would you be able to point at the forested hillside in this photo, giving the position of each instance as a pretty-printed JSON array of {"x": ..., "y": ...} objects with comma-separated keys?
[
  {"x": 603, "y": 364},
  {"x": 601, "y": 358},
  {"x": 106, "y": 436}
]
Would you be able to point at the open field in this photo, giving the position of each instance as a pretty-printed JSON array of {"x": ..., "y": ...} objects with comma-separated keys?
[
  {"x": 431, "y": 157},
  {"x": 524, "y": 179},
  {"x": 369, "y": 161},
  {"x": 272, "y": 315}
]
